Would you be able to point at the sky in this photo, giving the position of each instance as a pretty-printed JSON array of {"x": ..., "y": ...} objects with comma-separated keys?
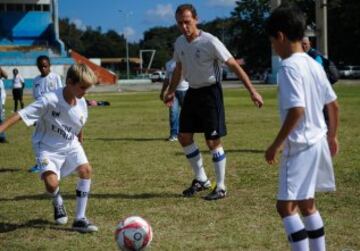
[{"x": 133, "y": 17}]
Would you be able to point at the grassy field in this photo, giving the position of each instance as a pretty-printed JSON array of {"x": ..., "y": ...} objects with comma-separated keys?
[{"x": 136, "y": 172}]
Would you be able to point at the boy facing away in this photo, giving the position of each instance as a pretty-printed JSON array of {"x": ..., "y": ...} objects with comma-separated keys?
[
  {"x": 306, "y": 164},
  {"x": 60, "y": 117}
]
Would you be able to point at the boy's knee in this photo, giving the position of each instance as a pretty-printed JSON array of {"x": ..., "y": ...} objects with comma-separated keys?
[{"x": 84, "y": 171}]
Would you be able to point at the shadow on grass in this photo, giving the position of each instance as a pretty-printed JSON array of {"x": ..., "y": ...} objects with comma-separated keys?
[
  {"x": 36, "y": 223},
  {"x": 254, "y": 151},
  {"x": 67, "y": 196},
  {"x": 9, "y": 170},
  {"x": 126, "y": 139}
]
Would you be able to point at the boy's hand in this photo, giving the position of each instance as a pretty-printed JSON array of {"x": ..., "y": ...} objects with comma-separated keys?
[
  {"x": 257, "y": 99},
  {"x": 333, "y": 145},
  {"x": 270, "y": 154}
]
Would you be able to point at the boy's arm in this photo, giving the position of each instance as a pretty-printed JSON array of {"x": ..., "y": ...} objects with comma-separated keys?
[
  {"x": 333, "y": 112},
  {"x": 236, "y": 68},
  {"x": 81, "y": 136},
  {"x": 175, "y": 80},
  {"x": 13, "y": 119},
  {"x": 293, "y": 116}
]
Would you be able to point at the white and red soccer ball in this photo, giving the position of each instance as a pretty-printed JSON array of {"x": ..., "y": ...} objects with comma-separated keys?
[{"x": 133, "y": 233}]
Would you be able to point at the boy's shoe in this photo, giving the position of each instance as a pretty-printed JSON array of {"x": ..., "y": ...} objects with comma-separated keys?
[
  {"x": 60, "y": 214},
  {"x": 172, "y": 138},
  {"x": 34, "y": 169},
  {"x": 196, "y": 186},
  {"x": 216, "y": 194},
  {"x": 3, "y": 141},
  {"x": 84, "y": 226}
]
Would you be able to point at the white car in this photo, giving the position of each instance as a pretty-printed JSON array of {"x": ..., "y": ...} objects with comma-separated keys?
[
  {"x": 349, "y": 71},
  {"x": 157, "y": 76}
]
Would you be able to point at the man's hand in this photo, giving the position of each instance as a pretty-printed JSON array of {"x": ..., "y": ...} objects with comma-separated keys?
[
  {"x": 169, "y": 99},
  {"x": 257, "y": 99}
]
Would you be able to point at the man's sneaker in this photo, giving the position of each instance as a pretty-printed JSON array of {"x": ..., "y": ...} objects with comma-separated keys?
[
  {"x": 60, "y": 214},
  {"x": 216, "y": 194},
  {"x": 196, "y": 186},
  {"x": 84, "y": 226},
  {"x": 34, "y": 169},
  {"x": 172, "y": 138}
]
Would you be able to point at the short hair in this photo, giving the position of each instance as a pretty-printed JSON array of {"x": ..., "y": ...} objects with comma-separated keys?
[
  {"x": 42, "y": 57},
  {"x": 81, "y": 73},
  {"x": 183, "y": 7},
  {"x": 288, "y": 19}
]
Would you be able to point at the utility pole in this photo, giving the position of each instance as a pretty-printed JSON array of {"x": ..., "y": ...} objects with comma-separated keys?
[
  {"x": 321, "y": 26},
  {"x": 126, "y": 15}
]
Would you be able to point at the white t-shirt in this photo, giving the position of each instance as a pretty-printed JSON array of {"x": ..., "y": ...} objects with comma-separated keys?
[
  {"x": 303, "y": 83},
  {"x": 57, "y": 123},
  {"x": 201, "y": 59},
  {"x": 17, "y": 82},
  {"x": 2, "y": 93},
  {"x": 170, "y": 67},
  {"x": 42, "y": 85}
]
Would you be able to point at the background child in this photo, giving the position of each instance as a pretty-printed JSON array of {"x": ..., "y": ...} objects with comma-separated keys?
[
  {"x": 2, "y": 103},
  {"x": 306, "y": 164},
  {"x": 46, "y": 82},
  {"x": 60, "y": 117},
  {"x": 17, "y": 89}
]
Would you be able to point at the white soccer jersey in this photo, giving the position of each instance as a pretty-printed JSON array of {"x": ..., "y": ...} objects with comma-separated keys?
[
  {"x": 17, "y": 82},
  {"x": 303, "y": 83},
  {"x": 201, "y": 59},
  {"x": 170, "y": 67},
  {"x": 2, "y": 93},
  {"x": 42, "y": 85},
  {"x": 57, "y": 123}
]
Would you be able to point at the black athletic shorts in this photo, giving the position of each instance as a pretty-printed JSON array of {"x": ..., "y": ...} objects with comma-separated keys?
[
  {"x": 17, "y": 93},
  {"x": 203, "y": 112}
]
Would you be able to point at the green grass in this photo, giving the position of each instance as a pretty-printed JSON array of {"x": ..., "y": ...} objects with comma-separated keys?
[{"x": 136, "y": 172}]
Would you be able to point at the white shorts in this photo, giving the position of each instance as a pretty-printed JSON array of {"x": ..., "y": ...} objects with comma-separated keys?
[
  {"x": 61, "y": 163},
  {"x": 305, "y": 172}
]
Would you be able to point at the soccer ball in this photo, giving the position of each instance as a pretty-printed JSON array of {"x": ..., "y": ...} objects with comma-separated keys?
[{"x": 133, "y": 233}]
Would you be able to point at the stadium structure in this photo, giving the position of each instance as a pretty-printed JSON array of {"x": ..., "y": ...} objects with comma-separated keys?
[{"x": 29, "y": 28}]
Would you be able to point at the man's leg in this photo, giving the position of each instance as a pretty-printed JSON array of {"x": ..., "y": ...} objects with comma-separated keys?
[
  {"x": 174, "y": 119},
  {"x": 194, "y": 157}
]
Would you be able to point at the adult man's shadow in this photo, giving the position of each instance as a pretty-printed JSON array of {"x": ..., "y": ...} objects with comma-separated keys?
[
  {"x": 67, "y": 196},
  {"x": 36, "y": 223}
]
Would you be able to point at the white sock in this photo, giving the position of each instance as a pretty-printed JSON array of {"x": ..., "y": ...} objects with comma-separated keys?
[
  {"x": 219, "y": 160},
  {"x": 315, "y": 227},
  {"x": 82, "y": 191},
  {"x": 194, "y": 156},
  {"x": 296, "y": 233},
  {"x": 57, "y": 199}
]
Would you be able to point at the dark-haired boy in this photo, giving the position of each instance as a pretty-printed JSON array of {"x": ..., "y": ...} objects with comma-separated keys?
[{"x": 306, "y": 164}]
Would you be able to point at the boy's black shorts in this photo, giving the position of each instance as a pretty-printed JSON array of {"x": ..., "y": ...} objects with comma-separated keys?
[
  {"x": 17, "y": 93},
  {"x": 203, "y": 111}
]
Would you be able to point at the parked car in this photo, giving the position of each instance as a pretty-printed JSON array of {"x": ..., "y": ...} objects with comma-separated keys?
[
  {"x": 157, "y": 76},
  {"x": 349, "y": 71},
  {"x": 228, "y": 74}
]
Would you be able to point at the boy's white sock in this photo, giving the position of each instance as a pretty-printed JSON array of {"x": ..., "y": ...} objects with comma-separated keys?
[
  {"x": 315, "y": 228},
  {"x": 57, "y": 199},
  {"x": 296, "y": 233},
  {"x": 194, "y": 156},
  {"x": 82, "y": 191},
  {"x": 219, "y": 160}
]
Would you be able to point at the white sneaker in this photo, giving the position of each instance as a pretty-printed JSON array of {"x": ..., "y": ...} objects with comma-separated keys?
[
  {"x": 84, "y": 226},
  {"x": 172, "y": 138},
  {"x": 60, "y": 214}
]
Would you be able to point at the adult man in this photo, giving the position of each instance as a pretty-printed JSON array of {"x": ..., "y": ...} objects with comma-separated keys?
[
  {"x": 306, "y": 44},
  {"x": 174, "y": 109},
  {"x": 198, "y": 58}
]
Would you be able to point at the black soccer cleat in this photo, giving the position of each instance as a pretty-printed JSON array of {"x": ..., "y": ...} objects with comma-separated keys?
[
  {"x": 196, "y": 186},
  {"x": 216, "y": 194},
  {"x": 84, "y": 226},
  {"x": 60, "y": 214}
]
